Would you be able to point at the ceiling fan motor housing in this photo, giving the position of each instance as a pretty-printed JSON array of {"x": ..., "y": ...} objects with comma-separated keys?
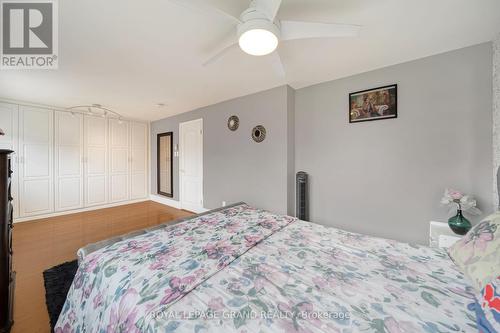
[{"x": 254, "y": 19}]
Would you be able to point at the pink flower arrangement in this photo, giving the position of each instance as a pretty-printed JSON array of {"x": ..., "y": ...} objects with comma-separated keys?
[{"x": 461, "y": 201}]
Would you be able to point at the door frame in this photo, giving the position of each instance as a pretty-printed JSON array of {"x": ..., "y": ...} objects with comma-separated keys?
[{"x": 181, "y": 151}]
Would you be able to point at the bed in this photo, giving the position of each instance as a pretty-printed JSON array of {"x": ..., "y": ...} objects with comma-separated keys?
[{"x": 242, "y": 269}]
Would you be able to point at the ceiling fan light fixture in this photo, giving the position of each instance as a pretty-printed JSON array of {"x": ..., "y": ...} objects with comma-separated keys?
[
  {"x": 257, "y": 35},
  {"x": 258, "y": 42}
]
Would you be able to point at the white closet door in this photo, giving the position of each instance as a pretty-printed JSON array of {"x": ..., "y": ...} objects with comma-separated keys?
[
  {"x": 36, "y": 183},
  {"x": 138, "y": 160},
  {"x": 68, "y": 161},
  {"x": 9, "y": 124},
  {"x": 96, "y": 176},
  {"x": 191, "y": 165},
  {"x": 118, "y": 160}
]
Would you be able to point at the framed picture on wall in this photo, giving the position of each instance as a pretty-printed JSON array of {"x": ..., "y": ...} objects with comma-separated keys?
[{"x": 373, "y": 104}]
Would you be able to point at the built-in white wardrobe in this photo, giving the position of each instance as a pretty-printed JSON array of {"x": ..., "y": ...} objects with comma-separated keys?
[
  {"x": 138, "y": 160},
  {"x": 119, "y": 160},
  {"x": 36, "y": 161},
  {"x": 9, "y": 124},
  {"x": 96, "y": 161},
  {"x": 69, "y": 161}
]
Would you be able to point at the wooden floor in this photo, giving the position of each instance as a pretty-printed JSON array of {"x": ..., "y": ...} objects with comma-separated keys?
[{"x": 41, "y": 244}]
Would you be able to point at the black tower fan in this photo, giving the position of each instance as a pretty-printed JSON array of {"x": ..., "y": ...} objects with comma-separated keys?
[{"x": 302, "y": 205}]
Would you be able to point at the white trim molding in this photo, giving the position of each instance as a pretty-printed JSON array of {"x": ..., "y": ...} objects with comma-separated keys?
[
  {"x": 153, "y": 197},
  {"x": 58, "y": 108},
  {"x": 173, "y": 203},
  {"x": 200, "y": 210},
  {"x": 68, "y": 212},
  {"x": 165, "y": 201}
]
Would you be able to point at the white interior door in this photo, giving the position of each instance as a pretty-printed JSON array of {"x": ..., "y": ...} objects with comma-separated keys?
[
  {"x": 118, "y": 160},
  {"x": 138, "y": 160},
  {"x": 96, "y": 166},
  {"x": 191, "y": 165},
  {"x": 36, "y": 185},
  {"x": 68, "y": 161},
  {"x": 9, "y": 124}
]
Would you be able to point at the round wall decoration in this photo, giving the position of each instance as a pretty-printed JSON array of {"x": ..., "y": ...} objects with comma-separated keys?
[
  {"x": 233, "y": 123},
  {"x": 258, "y": 133}
]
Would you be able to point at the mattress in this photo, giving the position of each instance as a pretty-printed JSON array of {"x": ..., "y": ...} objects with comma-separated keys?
[
  {"x": 242, "y": 269},
  {"x": 92, "y": 247}
]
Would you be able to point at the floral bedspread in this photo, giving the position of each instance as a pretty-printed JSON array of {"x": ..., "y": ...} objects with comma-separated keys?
[{"x": 247, "y": 270}]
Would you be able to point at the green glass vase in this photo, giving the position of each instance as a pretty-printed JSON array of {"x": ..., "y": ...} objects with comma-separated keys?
[{"x": 459, "y": 224}]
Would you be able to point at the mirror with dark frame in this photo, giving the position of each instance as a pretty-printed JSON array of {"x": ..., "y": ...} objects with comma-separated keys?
[{"x": 164, "y": 164}]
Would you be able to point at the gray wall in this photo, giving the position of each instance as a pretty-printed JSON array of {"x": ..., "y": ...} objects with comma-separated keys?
[
  {"x": 382, "y": 177},
  {"x": 496, "y": 115},
  {"x": 235, "y": 167},
  {"x": 386, "y": 177},
  {"x": 291, "y": 150}
]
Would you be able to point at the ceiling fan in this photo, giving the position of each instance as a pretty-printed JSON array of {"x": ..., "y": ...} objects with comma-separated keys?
[{"x": 258, "y": 31}]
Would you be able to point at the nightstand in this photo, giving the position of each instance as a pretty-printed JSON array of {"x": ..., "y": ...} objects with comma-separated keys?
[{"x": 440, "y": 235}]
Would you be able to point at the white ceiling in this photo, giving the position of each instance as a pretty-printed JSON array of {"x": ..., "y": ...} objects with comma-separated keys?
[{"x": 130, "y": 55}]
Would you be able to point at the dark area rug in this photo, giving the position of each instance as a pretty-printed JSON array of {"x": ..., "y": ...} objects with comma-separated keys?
[{"x": 57, "y": 282}]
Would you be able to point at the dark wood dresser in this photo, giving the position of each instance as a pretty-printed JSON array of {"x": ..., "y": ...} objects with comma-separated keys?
[{"x": 7, "y": 276}]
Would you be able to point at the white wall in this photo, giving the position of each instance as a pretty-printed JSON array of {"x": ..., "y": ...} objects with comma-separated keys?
[{"x": 386, "y": 177}]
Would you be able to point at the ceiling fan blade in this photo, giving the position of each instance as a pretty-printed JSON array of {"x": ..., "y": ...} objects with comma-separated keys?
[
  {"x": 277, "y": 65},
  {"x": 229, "y": 9},
  {"x": 225, "y": 46},
  {"x": 302, "y": 30},
  {"x": 269, "y": 7}
]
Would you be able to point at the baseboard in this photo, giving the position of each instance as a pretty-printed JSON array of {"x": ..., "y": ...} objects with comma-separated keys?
[
  {"x": 174, "y": 203},
  {"x": 81, "y": 210},
  {"x": 199, "y": 210},
  {"x": 165, "y": 201}
]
